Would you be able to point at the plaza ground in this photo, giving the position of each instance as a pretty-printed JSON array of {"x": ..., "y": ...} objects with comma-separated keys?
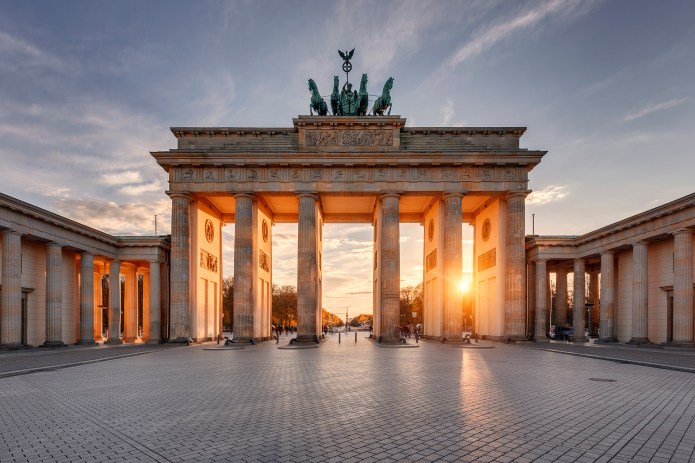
[{"x": 348, "y": 402}]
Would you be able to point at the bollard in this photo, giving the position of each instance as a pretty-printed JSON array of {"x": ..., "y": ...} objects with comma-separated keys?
[
  {"x": 355, "y": 336},
  {"x": 338, "y": 337}
]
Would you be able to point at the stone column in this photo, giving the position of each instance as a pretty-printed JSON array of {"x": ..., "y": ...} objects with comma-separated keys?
[
  {"x": 579, "y": 324},
  {"x": 515, "y": 297},
  {"x": 155, "y": 327},
  {"x": 114, "y": 335},
  {"x": 453, "y": 265},
  {"x": 531, "y": 298},
  {"x": 54, "y": 296},
  {"x": 308, "y": 324},
  {"x": 11, "y": 308},
  {"x": 541, "y": 332},
  {"x": 639, "y": 294},
  {"x": 243, "y": 268},
  {"x": 390, "y": 274},
  {"x": 607, "y": 323},
  {"x": 683, "y": 288},
  {"x": 180, "y": 267},
  {"x": 561, "y": 297},
  {"x": 86, "y": 299},
  {"x": 130, "y": 309}
]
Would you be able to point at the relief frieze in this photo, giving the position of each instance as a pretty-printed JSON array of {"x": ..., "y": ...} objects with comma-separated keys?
[
  {"x": 487, "y": 260},
  {"x": 263, "y": 261},
  {"x": 431, "y": 260},
  {"x": 349, "y": 137},
  {"x": 208, "y": 261}
]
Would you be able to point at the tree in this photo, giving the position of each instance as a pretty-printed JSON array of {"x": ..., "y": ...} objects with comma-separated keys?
[
  {"x": 411, "y": 301},
  {"x": 284, "y": 305},
  {"x": 227, "y": 303}
]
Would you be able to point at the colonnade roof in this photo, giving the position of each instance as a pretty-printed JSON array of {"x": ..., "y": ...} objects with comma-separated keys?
[
  {"x": 655, "y": 224},
  {"x": 40, "y": 225}
]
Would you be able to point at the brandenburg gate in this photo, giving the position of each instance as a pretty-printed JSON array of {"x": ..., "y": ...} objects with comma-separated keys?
[{"x": 335, "y": 169}]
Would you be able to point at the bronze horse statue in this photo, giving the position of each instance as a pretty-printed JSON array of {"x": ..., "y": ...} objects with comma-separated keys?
[
  {"x": 317, "y": 104},
  {"x": 363, "y": 97},
  {"x": 335, "y": 97},
  {"x": 384, "y": 101}
]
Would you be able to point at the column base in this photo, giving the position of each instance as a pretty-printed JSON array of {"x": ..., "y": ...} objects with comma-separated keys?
[
  {"x": 578, "y": 339},
  {"x": 541, "y": 339},
  {"x": 392, "y": 340},
  {"x": 153, "y": 341},
  {"x": 306, "y": 338},
  {"x": 680, "y": 344},
  {"x": 86, "y": 343},
  {"x": 50, "y": 344},
  {"x": 113, "y": 342},
  {"x": 14, "y": 346},
  {"x": 130, "y": 339},
  {"x": 607, "y": 340},
  {"x": 639, "y": 341},
  {"x": 182, "y": 340}
]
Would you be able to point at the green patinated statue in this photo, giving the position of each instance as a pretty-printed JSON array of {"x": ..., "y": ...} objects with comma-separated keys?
[
  {"x": 317, "y": 104},
  {"x": 349, "y": 102},
  {"x": 384, "y": 101}
]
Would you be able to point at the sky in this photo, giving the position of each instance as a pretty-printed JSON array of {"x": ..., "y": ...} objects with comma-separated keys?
[{"x": 88, "y": 89}]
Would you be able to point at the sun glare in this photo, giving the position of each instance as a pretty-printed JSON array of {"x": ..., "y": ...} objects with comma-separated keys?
[{"x": 465, "y": 284}]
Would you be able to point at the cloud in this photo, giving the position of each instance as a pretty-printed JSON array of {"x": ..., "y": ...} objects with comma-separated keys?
[
  {"x": 120, "y": 178},
  {"x": 548, "y": 194},
  {"x": 117, "y": 219},
  {"x": 17, "y": 53},
  {"x": 491, "y": 35},
  {"x": 655, "y": 107}
]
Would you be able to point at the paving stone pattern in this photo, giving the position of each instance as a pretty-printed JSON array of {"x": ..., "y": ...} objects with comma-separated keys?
[{"x": 349, "y": 402}]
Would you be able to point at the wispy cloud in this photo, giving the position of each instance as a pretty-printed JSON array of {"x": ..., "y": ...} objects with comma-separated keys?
[
  {"x": 492, "y": 34},
  {"x": 655, "y": 107},
  {"x": 120, "y": 178},
  {"x": 20, "y": 53},
  {"x": 548, "y": 194}
]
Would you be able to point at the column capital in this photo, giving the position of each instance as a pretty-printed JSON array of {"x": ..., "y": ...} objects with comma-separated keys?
[
  {"x": 453, "y": 194},
  {"x": 308, "y": 194},
  {"x": 516, "y": 194},
  {"x": 579, "y": 260},
  {"x": 639, "y": 243},
  {"x": 9, "y": 231},
  {"x": 390, "y": 194},
  {"x": 608, "y": 252},
  {"x": 245, "y": 194},
  {"x": 540, "y": 260},
  {"x": 86, "y": 253},
  {"x": 179, "y": 194},
  {"x": 55, "y": 244},
  {"x": 683, "y": 231}
]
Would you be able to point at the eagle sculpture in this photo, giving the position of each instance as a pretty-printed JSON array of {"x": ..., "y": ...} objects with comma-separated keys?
[{"x": 347, "y": 56}]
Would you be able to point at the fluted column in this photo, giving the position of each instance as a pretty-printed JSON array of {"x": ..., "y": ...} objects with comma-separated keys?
[
  {"x": 579, "y": 324},
  {"x": 561, "y": 297},
  {"x": 180, "y": 267},
  {"x": 54, "y": 296},
  {"x": 243, "y": 268},
  {"x": 11, "y": 308},
  {"x": 86, "y": 299},
  {"x": 531, "y": 297},
  {"x": 607, "y": 323},
  {"x": 683, "y": 288},
  {"x": 639, "y": 294},
  {"x": 308, "y": 324},
  {"x": 541, "y": 332},
  {"x": 155, "y": 328},
  {"x": 453, "y": 266},
  {"x": 390, "y": 274},
  {"x": 130, "y": 309},
  {"x": 114, "y": 331},
  {"x": 515, "y": 297}
]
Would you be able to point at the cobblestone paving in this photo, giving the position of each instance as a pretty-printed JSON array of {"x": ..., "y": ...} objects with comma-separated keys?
[{"x": 349, "y": 402}]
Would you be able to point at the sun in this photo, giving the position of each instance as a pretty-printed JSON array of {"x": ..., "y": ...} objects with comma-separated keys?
[{"x": 465, "y": 284}]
